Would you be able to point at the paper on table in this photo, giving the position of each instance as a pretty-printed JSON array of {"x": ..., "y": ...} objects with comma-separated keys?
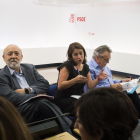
[
  {"x": 75, "y": 96},
  {"x": 128, "y": 86},
  {"x": 62, "y": 136}
]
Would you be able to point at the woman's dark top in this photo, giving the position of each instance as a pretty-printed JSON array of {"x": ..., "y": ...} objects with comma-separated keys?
[{"x": 76, "y": 89}]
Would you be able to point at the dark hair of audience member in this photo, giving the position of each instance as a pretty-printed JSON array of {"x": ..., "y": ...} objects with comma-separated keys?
[
  {"x": 12, "y": 126},
  {"x": 109, "y": 110},
  {"x": 71, "y": 48}
]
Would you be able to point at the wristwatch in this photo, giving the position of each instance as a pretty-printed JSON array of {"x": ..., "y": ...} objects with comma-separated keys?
[{"x": 26, "y": 90}]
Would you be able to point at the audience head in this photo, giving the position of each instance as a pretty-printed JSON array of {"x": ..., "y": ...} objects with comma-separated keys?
[
  {"x": 12, "y": 56},
  {"x": 76, "y": 53},
  {"x": 12, "y": 126},
  {"x": 102, "y": 55},
  {"x": 105, "y": 114}
]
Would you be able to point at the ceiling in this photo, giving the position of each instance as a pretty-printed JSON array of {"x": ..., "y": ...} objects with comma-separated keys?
[{"x": 80, "y": 1}]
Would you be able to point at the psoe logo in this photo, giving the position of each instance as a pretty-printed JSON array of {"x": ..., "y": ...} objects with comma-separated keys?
[
  {"x": 81, "y": 19},
  {"x": 91, "y": 33},
  {"x": 73, "y": 19}
]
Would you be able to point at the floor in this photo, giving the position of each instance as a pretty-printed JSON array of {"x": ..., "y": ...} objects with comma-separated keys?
[{"x": 51, "y": 74}]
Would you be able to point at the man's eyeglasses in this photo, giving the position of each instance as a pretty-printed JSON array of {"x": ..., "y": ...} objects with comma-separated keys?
[{"x": 107, "y": 60}]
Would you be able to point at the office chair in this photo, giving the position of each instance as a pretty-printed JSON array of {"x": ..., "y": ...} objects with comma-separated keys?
[
  {"x": 52, "y": 89},
  {"x": 136, "y": 133}
]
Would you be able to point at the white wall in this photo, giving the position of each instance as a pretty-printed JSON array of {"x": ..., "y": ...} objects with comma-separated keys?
[
  {"x": 122, "y": 62},
  {"x": 44, "y": 30}
]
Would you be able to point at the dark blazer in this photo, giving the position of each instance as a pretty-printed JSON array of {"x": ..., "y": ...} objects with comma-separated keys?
[
  {"x": 8, "y": 85},
  {"x": 35, "y": 110}
]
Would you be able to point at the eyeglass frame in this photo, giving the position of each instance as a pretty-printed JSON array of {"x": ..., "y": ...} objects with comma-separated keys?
[{"x": 107, "y": 60}]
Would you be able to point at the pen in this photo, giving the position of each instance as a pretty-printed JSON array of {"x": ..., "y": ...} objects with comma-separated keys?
[{"x": 78, "y": 71}]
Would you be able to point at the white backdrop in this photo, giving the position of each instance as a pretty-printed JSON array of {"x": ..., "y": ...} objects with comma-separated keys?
[
  {"x": 121, "y": 62},
  {"x": 39, "y": 27}
]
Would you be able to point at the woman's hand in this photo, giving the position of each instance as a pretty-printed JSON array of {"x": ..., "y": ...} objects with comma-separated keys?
[
  {"x": 102, "y": 75},
  {"x": 64, "y": 83},
  {"x": 81, "y": 79}
]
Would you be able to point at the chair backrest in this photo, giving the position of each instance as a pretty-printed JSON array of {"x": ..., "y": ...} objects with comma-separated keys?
[
  {"x": 52, "y": 89},
  {"x": 136, "y": 133}
]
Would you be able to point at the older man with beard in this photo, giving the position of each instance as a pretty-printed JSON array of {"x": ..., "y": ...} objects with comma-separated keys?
[{"x": 20, "y": 82}]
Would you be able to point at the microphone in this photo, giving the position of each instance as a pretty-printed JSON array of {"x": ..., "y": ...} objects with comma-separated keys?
[
  {"x": 45, "y": 128},
  {"x": 37, "y": 122}
]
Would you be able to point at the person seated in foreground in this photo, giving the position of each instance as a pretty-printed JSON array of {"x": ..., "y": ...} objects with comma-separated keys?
[
  {"x": 12, "y": 126},
  {"x": 73, "y": 75},
  {"x": 101, "y": 56},
  {"x": 105, "y": 114},
  {"x": 19, "y": 82}
]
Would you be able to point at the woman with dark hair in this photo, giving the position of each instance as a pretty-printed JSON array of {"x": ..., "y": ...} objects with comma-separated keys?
[
  {"x": 105, "y": 114},
  {"x": 12, "y": 126},
  {"x": 73, "y": 74}
]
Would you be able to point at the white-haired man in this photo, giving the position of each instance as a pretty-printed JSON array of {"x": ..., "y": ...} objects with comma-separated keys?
[{"x": 102, "y": 56}]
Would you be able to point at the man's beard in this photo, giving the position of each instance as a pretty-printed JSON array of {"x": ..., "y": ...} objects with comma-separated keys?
[{"x": 13, "y": 65}]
